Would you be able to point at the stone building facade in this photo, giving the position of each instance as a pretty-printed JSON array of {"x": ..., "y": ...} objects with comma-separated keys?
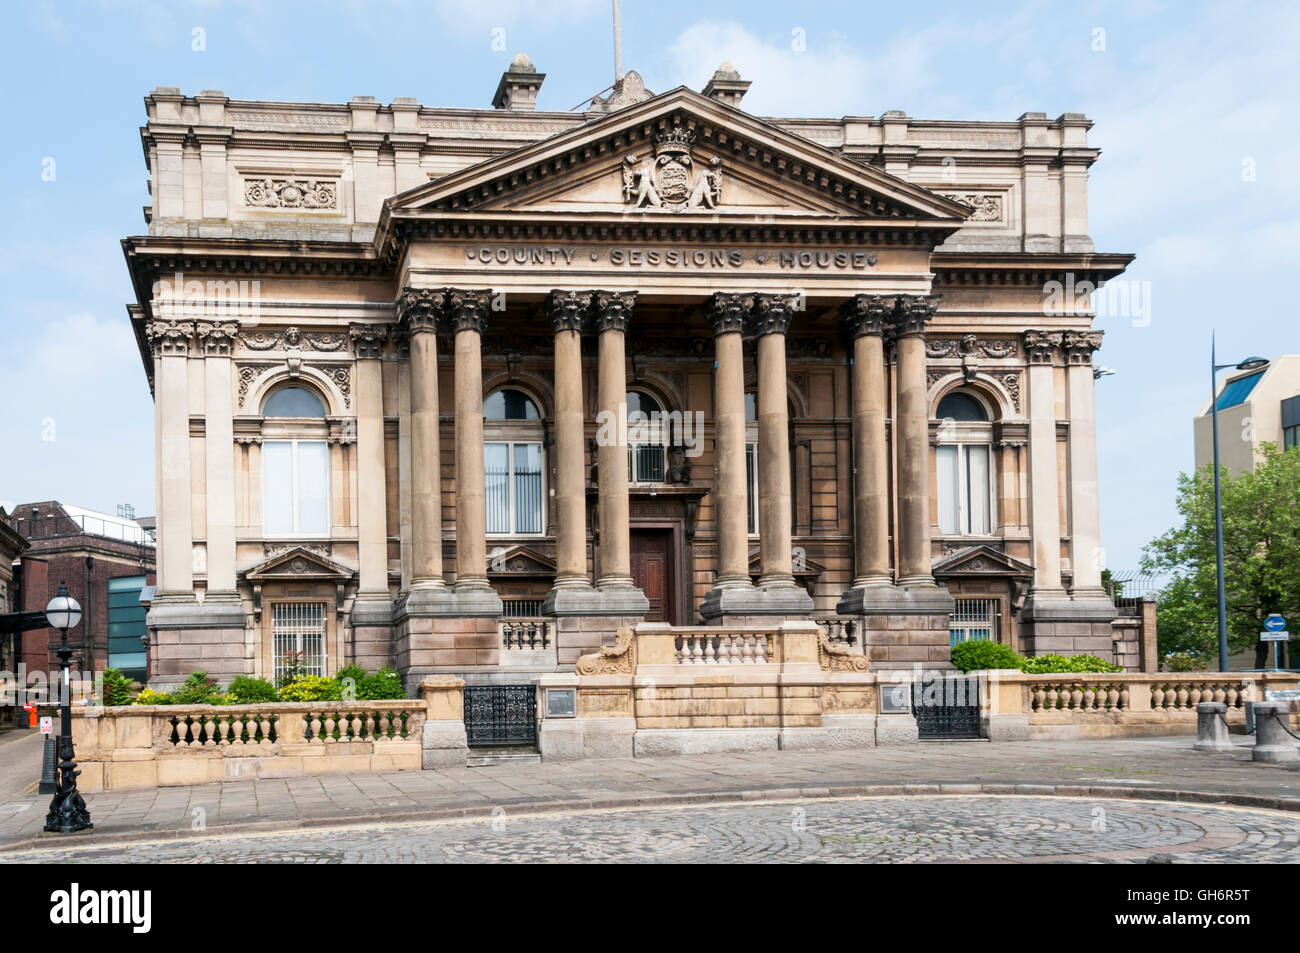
[{"x": 466, "y": 391}]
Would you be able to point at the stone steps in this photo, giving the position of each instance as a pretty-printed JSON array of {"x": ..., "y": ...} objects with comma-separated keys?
[{"x": 492, "y": 757}]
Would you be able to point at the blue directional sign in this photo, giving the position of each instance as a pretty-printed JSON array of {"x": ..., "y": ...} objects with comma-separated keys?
[{"x": 1275, "y": 622}]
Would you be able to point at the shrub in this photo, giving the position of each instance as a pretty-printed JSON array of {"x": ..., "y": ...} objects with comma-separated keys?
[
  {"x": 1186, "y": 662},
  {"x": 976, "y": 654},
  {"x": 117, "y": 687},
  {"x": 199, "y": 689},
  {"x": 384, "y": 683},
  {"x": 245, "y": 690},
  {"x": 1053, "y": 664},
  {"x": 150, "y": 697},
  {"x": 311, "y": 688}
]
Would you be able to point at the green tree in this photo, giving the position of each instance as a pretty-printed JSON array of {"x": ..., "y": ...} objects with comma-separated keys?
[{"x": 1261, "y": 556}]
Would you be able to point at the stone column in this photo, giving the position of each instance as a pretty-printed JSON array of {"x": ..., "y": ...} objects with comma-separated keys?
[
  {"x": 1044, "y": 504},
  {"x": 372, "y": 511},
  {"x": 772, "y": 315},
  {"x": 728, "y": 313},
  {"x": 865, "y": 318},
  {"x": 468, "y": 311},
  {"x": 217, "y": 341},
  {"x": 419, "y": 310},
  {"x": 567, "y": 310},
  {"x": 171, "y": 354},
  {"x": 1085, "y": 519},
  {"x": 612, "y": 310},
  {"x": 912, "y": 425}
]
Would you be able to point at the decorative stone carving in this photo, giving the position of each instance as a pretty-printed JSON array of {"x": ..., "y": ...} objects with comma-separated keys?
[
  {"x": 368, "y": 340},
  {"x": 669, "y": 179},
  {"x": 324, "y": 340},
  {"x": 418, "y": 309},
  {"x": 969, "y": 345},
  {"x": 727, "y": 312},
  {"x": 1039, "y": 345},
  {"x": 291, "y": 193},
  {"x": 616, "y": 659},
  {"x": 170, "y": 337},
  {"x": 627, "y": 92},
  {"x": 467, "y": 310},
  {"x": 987, "y": 205},
  {"x": 275, "y": 549},
  {"x": 772, "y": 313},
  {"x": 1010, "y": 381},
  {"x": 912, "y": 312},
  {"x": 292, "y": 338},
  {"x": 1079, "y": 346},
  {"x": 836, "y": 657},
  {"x": 247, "y": 374},
  {"x": 217, "y": 339},
  {"x": 866, "y": 314},
  {"x": 342, "y": 378},
  {"x": 613, "y": 309},
  {"x": 567, "y": 309}
]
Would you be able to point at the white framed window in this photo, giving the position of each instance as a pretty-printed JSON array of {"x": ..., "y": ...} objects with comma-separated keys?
[
  {"x": 965, "y": 487},
  {"x": 295, "y": 487},
  {"x": 751, "y": 459},
  {"x": 646, "y": 436},
  {"x": 514, "y": 475},
  {"x": 297, "y": 639}
]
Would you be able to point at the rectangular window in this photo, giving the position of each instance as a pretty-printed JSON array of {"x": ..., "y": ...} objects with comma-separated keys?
[
  {"x": 1291, "y": 437},
  {"x": 513, "y": 486},
  {"x": 297, "y": 638},
  {"x": 964, "y": 491},
  {"x": 645, "y": 463},
  {"x": 126, "y": 626},
  {"x": 974, "y": 619},
  {"x": 751, "y": 481},
  {"x": 295, "y": 488}
]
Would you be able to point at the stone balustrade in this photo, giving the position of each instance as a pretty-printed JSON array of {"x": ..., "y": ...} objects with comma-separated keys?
[{"x": 525, "y": 634}]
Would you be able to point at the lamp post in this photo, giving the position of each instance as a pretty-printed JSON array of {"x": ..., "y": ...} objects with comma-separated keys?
[
  {"x": 1249, "y": 364},
  {"x": 68, "y": 812}
]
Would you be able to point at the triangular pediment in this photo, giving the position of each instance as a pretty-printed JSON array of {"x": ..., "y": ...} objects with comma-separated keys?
[
  {"x": 676, "y": 157},
  {"x": 297, "y": 563},
  {"x": 803, "y": 566},
  {"x": 981, "y": 561},
  {"x": 519, "y": 561}
]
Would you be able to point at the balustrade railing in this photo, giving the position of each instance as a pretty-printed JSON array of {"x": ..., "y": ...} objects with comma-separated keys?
[
  {"x": 838, "y": 630},
  {"x": 1136, "y": 692},
  {"x": 723, "y": 646},
  {"x": 262, "y": 728},
  {"x": 525, "y": 633}
]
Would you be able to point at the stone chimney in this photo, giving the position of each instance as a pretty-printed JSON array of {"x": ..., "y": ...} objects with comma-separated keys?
[
  {"x": 726, "y": 86},
  {"x": 519, "y": 85}
]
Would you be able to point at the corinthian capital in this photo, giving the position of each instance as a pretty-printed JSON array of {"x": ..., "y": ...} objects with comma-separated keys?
[
  {"x": 567, "y": 309},
  {"x": 368, "y": 340},
  {"x": 418, "y": 309},
  {"x": 728, "y": 312},
  {"x": 912, "y": 312},
  {"x": 170, "y": 337},
  {"x": 217, "y": 339},
  {"x": 1079, "y": 346},
  {"x": 1040, "y": 345},
  {"x": 867, "y": 314},
  {"x": 613, "y": 309},
  {"x": 772, "y": 313},
  {"x": 468, "y": 310}
]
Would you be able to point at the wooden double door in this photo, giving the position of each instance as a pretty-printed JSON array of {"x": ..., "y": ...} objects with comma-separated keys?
[{"x": 654, "y": 570}]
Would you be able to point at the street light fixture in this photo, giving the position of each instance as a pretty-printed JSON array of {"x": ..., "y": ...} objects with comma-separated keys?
[
  {"x": 1249, "y": 364},
  {"x": 68, "y": 812}
]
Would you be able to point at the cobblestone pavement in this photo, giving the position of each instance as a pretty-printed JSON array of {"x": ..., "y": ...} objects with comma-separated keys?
[
  {"x": 1159, "y": 768},
  {"x": 874, "y": 830}
]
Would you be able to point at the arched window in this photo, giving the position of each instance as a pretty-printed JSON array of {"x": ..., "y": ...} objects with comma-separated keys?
[
  {"x": 647, "y": 436},
  {"x": 964, "y": 466},
  {"x": 512, "y": 463},
  {"x": 295, "y": 464},
  {"x": 292, "y": 402}
]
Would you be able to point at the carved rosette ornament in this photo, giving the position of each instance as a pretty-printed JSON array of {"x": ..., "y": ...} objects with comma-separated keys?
[
  {"x": 1079, "y": 346},
  {"x": 1039, "y": 345},
  {"x": 418, "y": 309},
  {"x": 170, "y": 337},
  {"x": 368, "y": 340},
  {"x": 567, "y": 309},
  {"x": 835, "y": 657},
  {"x": 912, "y": 312},
  {"x": 613, "y": 309},
  {"x": 217, "y": 340},
  {"x": 728, "y": 312},
  {"x": 616, "y": 659},
  {"x": 866, "y": 314},
  {"x": 772, "y": 313},
  {"x": 468, "y": 310}
]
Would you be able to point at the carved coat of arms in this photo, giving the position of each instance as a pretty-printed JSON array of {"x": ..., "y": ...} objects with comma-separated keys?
[{"x": 669, "y": 179}]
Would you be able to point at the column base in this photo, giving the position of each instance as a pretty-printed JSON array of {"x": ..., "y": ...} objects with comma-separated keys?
[
  {"x": 1054, "y": 623},
  {"x": 181, "y": 612},
  {"x": 902, "y": 628},
  {"x": 471, "y": 600},
  {"x": 189, "y": 636},
  {"x": 742, "y": 601},
  {"x": 611, "y": 600}
]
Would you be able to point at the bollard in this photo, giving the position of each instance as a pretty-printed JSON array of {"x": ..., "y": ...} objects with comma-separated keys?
[
  {"x": 1211, "y": 727},
  {"x": 1272, "y": 743}
]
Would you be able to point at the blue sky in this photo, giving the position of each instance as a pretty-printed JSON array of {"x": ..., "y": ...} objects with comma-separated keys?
[{"x": 1184, "y": 97}]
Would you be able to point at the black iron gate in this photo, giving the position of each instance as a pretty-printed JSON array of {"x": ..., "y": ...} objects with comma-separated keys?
[
  {"x": 500, "y": 715},
  {"x": 946, "y": 706}
]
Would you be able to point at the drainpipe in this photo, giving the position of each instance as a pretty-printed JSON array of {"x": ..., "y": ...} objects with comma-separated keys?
[{"x": 89, "y": 636}]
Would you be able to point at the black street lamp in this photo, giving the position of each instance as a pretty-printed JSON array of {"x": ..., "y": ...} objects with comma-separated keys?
[
  {"x": 68, "y": 812},
  {"x": 1249, "y": 364}
]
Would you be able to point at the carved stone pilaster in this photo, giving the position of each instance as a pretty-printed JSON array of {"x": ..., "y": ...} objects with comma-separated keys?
[
  {"x": 866, "y": 314},
  {"x": 568, "y": 309},
  {"x": 773, "y": 313},
  {"x": 170, "y": 337},
  {"x": 613, "y": 309},
  {"x": 912, "y": 312},
  {"x": 1040, "y": 345},
  {"x": 1079, "y": 346},
  {"x": 418, "y": 309},
  {"x": 217, "y": 340},
  {"x": 728, "y": 312},
  {"x": 468, "y": 310},
  {"x": 368, "y": 340}
]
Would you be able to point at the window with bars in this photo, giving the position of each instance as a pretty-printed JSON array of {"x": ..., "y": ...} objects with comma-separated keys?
[
  {"x": 521, "y": 608},
  {"x": 974, "y": 619},
  {"x": 297, "y": 639}
]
